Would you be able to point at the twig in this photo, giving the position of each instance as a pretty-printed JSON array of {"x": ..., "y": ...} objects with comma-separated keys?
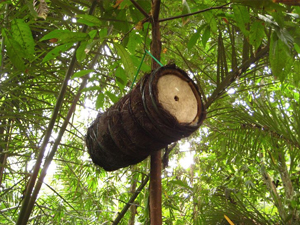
[
  {"x": 234, "y": 75},
  {"x": 131, "y": 200},
  {"x": 52, "y": 189},
  {"x": 194, "y": 13},
  {"x": 140, "y": 8},
  {"x": 2, "y": 42}
]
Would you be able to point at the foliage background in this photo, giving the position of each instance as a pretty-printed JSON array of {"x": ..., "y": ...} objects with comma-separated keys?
[{"x": 63, "y": 61}]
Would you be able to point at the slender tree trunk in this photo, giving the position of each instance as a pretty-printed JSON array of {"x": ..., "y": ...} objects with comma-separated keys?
[
  {"x": 4, "y": 146},
  {"x": 2, "y": 155},
  {"x": 155, "y": 174},
  {"x": 288, "y": 186},
  {"x": 31, "y": 192},
  {"x": 133, "y": 206}
]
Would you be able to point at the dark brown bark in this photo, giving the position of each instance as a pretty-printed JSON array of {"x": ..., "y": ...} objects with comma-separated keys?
[{"x": 155, "y": 173}]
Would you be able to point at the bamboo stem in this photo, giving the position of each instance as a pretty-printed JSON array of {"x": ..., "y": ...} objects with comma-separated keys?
[
  {"x": 28, "y": 202},
  {"x": 131, "y": 200}
]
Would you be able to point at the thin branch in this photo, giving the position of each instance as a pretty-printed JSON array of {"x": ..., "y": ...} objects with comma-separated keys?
[
  {"x": 234, "y": 75},
  {"x": 52, "y": 189},
  {"x": 2, "y": 41},
  {"x": 194, "y": 13},
  {"x": 140, "y": 8},
  {"x": 131, "y": 200},
  {"x": 274, "y": 194},
  {"x": 285, "y": 177},
  {"x": 8, "y": 209}
]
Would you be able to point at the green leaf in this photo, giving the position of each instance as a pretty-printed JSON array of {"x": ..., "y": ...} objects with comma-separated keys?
[
  {"x": 88, "y": 20},
  {"x": 124, "y": 25},
  {"x": 297, "y": 48},
  {"x": 257, "y": 34},
  {"x": 14, "y": 51},
  {"x": 112, "y": 97},
  {"x": 73, "y": 37},
  {"x": 242, "y": 17},
  {"x": 93, "y": 34},
  {"x": 193, "y": 40},
  {"x": 265, "y": 4},
  {"x": 55, "y": 34},
  {"x": 81, "y": 73},
  {"x": 180, "y": 183},
  {"x": 103, "y": 33},
  {"x": 22, "y": 34},
  {"x": 211, "y": 20},
  {"x": 285, "y": 36},
  {"x": 80, "y": 52},
  {"x": 206, "y": 35},
  {"x": 100, "y": 101},
  {"x": 296, "y": 74},
  {"x": 93, "y": 88},
  {"x": 121, "y": 78},
  {"x": 135, "y": 14},
  {"x": 66, "y": 36},
  {"x": 185, "y": 10},
  {"x": 126, "y": 60},
  {"x": 280, "y": 58},
  {"x": 133, "y": 43},
  {"x": 56, "y": 51}
]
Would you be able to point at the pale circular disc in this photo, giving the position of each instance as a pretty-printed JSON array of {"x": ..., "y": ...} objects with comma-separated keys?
[{"x": 177, "y": 97}]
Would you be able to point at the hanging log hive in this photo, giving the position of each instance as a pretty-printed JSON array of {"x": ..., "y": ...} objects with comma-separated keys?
[{"x": 163, "y": 107}]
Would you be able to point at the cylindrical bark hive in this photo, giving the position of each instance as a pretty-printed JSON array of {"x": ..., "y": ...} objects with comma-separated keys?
[{"x": 163, "y": 107}]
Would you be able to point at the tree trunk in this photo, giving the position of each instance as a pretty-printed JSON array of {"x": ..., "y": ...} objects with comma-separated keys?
[{"x": 133, "y": 206}]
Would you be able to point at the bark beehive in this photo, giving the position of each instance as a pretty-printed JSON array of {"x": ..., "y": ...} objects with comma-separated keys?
[{"x": 163, "y": 107}]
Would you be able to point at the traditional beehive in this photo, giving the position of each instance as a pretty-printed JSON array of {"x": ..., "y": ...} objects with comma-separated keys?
[{"x": 163, "y": 107}]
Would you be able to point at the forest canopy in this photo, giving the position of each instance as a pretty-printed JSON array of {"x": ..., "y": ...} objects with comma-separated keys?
[{"x": 62, "y": 62}]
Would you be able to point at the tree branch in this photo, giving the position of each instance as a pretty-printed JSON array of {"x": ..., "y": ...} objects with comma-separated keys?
[
  {"x": 234, "y": 75},
  {"x": 61, "y": 197},
  {"x": 274, "y": 194},
  {"x": 285, "y": 177},
  {"x": 140, "y": 8},
  {"x": 194, "y": 13},
  {"x": 131, "y": 200}
]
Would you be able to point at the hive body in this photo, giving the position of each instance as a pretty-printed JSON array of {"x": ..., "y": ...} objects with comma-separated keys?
[{"x": 163, "y": 107}]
